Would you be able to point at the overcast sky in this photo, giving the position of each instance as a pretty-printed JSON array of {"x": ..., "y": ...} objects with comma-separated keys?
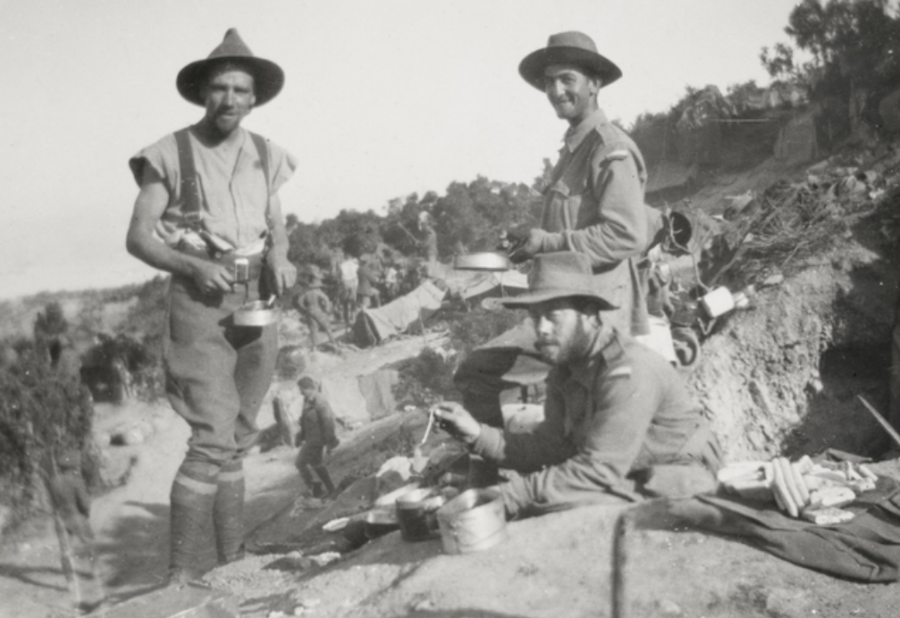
[{"x": 383, "y": 98}]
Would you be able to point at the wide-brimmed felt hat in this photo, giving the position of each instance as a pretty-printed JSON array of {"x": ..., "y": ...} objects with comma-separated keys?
[
  {"x": 268, "y": 78},
  {"x": 568, "y": 48},
  {"x": 565, "y": 274}
]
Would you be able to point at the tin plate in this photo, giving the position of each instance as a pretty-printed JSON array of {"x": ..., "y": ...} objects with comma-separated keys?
[{"x": 488, "y": 260}]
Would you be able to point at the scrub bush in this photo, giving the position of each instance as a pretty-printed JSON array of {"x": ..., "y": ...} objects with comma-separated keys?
[{"x": 42, "y": 412}]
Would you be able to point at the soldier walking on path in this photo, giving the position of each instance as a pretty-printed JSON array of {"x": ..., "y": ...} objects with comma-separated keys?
[
  {"x": 315, "y": 436},
  {"x": 72, "y": 515}
]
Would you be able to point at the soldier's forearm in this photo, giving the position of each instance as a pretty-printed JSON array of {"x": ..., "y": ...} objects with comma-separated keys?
[{"x": 160, "y": 256}]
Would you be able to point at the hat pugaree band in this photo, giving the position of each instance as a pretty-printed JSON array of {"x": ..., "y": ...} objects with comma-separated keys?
[
  {"x": 568, "y": 48},
  {"x": 268, "y": 78},
  {"x": 564, "y": 274}
]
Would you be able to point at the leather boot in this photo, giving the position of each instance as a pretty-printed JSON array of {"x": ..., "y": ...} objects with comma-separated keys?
[
  {"x": 228, "y": 513},
  {"x": 191, "y": 503}
]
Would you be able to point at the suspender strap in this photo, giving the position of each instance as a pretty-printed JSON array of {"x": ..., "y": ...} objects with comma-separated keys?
[
  {"x": 189, "y": 185},
  {"x": 262, "y": 150},
  {"x": 189, "y": 189}
]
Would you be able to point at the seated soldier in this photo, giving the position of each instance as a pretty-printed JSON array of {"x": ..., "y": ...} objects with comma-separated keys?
[{"x": 618, "y": 424}]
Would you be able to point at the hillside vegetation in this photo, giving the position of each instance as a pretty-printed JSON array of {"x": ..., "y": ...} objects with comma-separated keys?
[{"x": 846, "y": 85}]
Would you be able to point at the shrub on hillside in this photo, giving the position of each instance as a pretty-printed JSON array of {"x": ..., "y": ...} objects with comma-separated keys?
[
  {"x": 120, "y": 367},
  {"x": 429, "y": 377},
  {"x": 146, "y": 327},
  {"x": 473, "y": 328},
  {"x": 41, "y": 413}
]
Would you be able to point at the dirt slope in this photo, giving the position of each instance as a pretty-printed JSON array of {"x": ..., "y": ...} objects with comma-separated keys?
[{"x": 779, "y": 378}]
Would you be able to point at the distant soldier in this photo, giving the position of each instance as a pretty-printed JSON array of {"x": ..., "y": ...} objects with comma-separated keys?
[
  {"x": 71, "y": 501},
  {"x": 316, "y": 434},
  {"x": 391, "y": 283},
  {"x": 430, "y": 243},
  {"x": 367, "y": 293},
  {"x": 315, "y": 308},
  {"x": 349, "y": 288},
  {"x": 72, "y": 511}
]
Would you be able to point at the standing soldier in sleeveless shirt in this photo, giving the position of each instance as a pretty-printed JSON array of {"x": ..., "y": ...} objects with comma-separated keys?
[{"x": 208, "y": 213}]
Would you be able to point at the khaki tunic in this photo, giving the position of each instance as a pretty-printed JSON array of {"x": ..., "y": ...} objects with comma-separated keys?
[{"x": 595, "y": 205}]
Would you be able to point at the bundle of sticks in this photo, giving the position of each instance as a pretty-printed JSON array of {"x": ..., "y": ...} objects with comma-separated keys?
[{"x": 802, "y": 489}]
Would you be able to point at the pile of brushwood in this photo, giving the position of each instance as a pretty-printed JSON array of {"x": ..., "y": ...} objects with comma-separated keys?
[{"x": 791, "y": 221}]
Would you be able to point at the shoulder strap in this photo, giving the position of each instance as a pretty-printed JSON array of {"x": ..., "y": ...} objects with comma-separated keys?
[
  {"x": 262, "y": 150},
  {"x": 191, "y": 208},
  {"x": 189, "y": 185}
]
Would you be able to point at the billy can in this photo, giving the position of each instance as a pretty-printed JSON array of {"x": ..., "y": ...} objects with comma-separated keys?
[{"x": 472, "y": 521}]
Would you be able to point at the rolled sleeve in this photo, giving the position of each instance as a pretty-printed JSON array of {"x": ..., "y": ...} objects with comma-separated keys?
[
  {"x": 527, "y": 452},
  {"x": 284, "y": 164}
]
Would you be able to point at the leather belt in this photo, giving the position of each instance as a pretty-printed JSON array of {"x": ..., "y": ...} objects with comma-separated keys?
[{"x": 255, "y": 261}]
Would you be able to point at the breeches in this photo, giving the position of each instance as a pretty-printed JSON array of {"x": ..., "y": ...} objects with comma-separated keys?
[
  {"x": 216, "y": 373},
  {"x": 310, "y": 455},
  {"x": 317, "y": 321}
]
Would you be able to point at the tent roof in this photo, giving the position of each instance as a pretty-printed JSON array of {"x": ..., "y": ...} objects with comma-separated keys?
[{"x": 511, "y": 280}]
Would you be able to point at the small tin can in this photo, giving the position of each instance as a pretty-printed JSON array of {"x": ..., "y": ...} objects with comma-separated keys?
[
  {"x": 241, "y": 270},
  {"x": 718, "y": 302}
]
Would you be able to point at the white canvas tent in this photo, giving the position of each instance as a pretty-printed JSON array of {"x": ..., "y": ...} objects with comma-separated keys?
[{"x": 374, "y": 325}]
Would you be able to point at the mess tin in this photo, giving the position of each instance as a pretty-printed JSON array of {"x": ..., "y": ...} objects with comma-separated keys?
[
  {"x": 487, "y": 260},
  {"x": 473, "y": 521},
  {"x": 379, "y": 522},
  {"x": 417, "y": 514},
  {"x": 256, "y": 313}
]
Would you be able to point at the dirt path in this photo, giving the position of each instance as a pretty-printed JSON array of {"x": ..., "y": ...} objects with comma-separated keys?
[{"x": 131, "y": 521}]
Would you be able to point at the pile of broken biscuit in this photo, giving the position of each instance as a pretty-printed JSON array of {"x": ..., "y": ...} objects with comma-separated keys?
[{"x": 814, "y": 491}]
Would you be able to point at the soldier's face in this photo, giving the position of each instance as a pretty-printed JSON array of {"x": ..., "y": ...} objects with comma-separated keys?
[
  {"x": 563, "y": 333},
  {"x": 571, "y": 92},
  {"x": 229, "y": 98}
]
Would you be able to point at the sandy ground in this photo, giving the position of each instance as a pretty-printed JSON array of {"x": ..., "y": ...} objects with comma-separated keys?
[
  {"x": 557, "y": 565},
  {"x": 131, "y": 521}
]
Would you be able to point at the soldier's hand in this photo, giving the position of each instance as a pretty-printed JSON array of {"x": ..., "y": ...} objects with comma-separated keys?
[
  {"x": 212, "y": 278},
  {"x": 283, "y": 273},
  {"x": 524, "y": 244},
  {"x": 456, "y": 420}
]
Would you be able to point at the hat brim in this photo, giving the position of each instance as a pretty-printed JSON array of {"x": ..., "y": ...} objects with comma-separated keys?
[
  {"x": 268, "y": 78},
  {"x": 533, "y": 298},
  {"x": 533, "y": 66}
]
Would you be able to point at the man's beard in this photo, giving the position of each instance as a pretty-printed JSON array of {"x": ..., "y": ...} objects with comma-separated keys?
[{"x": 575, "y": 347}]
